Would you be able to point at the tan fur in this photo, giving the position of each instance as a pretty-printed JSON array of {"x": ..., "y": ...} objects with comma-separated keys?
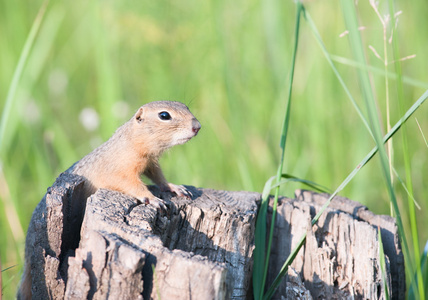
[{"x": 134, "y": 149}]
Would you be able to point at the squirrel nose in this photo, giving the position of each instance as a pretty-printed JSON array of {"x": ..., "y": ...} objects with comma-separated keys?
[{"x": 196, "y": 126}]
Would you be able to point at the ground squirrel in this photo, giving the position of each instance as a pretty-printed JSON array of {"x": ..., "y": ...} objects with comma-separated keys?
[{"x": 134, "y": 149}]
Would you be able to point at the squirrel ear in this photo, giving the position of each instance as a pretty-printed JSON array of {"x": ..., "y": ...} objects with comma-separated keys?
[{"x": 139, "y": 115}]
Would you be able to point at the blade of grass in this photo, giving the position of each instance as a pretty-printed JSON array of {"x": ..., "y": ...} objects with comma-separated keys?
[
  {"x": 378, "y": 71},
  {"x": 260, "y": 241},
  {"x": 8, "y": 268},
  {"x": 11, "y": 211},
  {"x": 107, "y": 81},
  {"x": 406, "y": 157},
  {"x": 282, "y": 146},
  {"x": 422, "y": 133},
  {"x": 384, "y": 59},
  {"x": 350, "y": 16},
  {"x": 335, "y": 71},
  {"x": 424, "y": 268},
  {"x": 1, "y": 283},
  {"x": 382, "y": 265},
  {"x": 403, "y": 184},
  {"x": 308, "y": 183},
  {"x": 366, "y": 159},
  {"x": 269, "y": 13},
  {"x": 6, "y": 284},
  {"x": 23, "y": 58},
  {"x": 284, "y": 268}
]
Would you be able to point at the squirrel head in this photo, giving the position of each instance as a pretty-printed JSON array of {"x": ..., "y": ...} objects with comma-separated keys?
[{"x": 160, "y": 125}]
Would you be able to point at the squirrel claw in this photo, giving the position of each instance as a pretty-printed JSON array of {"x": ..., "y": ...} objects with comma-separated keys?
[
  {"x": 155, "y": 201},
  {"x": 180, "y": 190},
  {"x": 145, "y": 201}
]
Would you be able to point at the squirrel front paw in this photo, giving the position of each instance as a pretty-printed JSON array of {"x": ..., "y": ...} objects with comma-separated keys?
[
  {"x": 155, "y": 201},
  {"x": 179, "y": 190}
]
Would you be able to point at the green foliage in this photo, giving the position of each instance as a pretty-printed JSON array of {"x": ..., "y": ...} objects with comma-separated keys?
[
  {"x": 413, "y": 291},
  {"x": 374, "y": 128},
  {"x": 259, "y": 285},
  {"x": 382, "y": 265},
  {"x": 228, "y": 61}
]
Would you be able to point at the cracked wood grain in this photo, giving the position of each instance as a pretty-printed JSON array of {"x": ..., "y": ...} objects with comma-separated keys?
[{"x": 110, "y": 246}]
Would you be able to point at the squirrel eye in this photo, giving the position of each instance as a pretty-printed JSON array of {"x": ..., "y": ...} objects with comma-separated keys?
[{"x": 164, "y": 115}]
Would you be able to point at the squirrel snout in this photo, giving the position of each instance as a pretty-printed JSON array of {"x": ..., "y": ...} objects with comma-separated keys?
[{"x": 196, "y": 126}]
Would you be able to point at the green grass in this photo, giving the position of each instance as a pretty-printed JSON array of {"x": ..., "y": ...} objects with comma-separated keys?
[
  {"x": 229, "y": 61},
  {"x": 383, "y": 266}
]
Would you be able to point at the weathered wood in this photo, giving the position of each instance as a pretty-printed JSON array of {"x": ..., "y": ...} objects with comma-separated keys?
[
  {"x": 112, "y": 247},
  {"x": 340, "y": 258},
  {"x": 201, "y": 250}
]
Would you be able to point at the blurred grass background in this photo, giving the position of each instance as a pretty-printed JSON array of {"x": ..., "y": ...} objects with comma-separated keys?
[{"x": 229, "y": 62}]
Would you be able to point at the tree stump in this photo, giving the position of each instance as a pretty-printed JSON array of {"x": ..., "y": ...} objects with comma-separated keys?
[{"x": 109, "y": 246}]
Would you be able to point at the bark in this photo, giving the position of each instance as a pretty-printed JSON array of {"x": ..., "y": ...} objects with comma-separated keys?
[
  {"x": 112, "y": 247},
  {"x": 340, "y": 258}
]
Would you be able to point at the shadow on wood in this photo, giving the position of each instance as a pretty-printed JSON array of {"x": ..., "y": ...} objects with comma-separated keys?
[{"x": 110, "y": 246}]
